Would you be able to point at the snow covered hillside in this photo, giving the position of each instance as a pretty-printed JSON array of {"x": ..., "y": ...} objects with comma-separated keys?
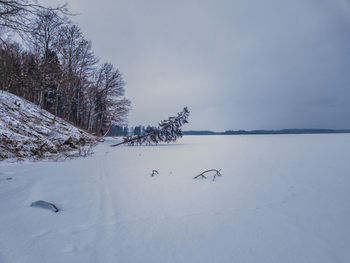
[
  {"x": 28, "y": 131},
  {"x": 282, "y": 198}
]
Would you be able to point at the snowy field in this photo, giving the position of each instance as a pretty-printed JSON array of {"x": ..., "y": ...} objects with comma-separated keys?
[{"x": 282, "y": 198}]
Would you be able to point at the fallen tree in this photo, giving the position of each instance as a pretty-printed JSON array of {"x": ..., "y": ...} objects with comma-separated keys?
[{"x": 168, "y": 131}]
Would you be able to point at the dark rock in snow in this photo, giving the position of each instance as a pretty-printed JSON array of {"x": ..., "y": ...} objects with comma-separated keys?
[{"x": 45, "y": 205}]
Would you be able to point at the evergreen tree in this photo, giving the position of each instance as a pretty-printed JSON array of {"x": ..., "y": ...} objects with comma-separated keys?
[
  {"x": 168, "y": 131},
  {"x": 126, "y": 131},
  {"x": 137, "y": 130}
]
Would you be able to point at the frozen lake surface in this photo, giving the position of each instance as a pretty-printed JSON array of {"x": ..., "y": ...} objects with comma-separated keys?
[{"x": 282, "y": 198}]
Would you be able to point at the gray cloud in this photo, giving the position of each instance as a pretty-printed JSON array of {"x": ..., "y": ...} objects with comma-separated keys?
[{"x": 236, "y": 64}]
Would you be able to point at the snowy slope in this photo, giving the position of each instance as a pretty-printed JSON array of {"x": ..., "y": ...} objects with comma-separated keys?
[
  {"x": 28, "y": 131},
  {"x": 281, "y": 199}
]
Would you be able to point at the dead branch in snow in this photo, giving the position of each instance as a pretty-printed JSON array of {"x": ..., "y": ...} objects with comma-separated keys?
[
  {"x": 154, "y": 172},
  {"x": 201, "y": 175},
  {"x": 45, "y": 205}
]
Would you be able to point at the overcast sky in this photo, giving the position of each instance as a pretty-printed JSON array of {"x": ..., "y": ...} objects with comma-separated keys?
[{"x": 244, "y": 64}]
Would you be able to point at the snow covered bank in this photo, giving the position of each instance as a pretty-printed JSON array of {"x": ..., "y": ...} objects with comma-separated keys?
[
  {"x": 26, "y": 130},
  {"x": 281, "y": 198}
]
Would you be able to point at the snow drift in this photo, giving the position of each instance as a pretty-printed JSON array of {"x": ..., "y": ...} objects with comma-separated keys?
[{"x": 26, "y": 130}]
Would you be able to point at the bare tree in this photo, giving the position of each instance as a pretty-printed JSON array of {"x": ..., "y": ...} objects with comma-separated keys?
[
  {"x": 110, "y": 105},
  {"x": 42, "y": 40},
  {"x": 78, "y": 64},
  {"x": 17, "y": 15},
  {"x": 10, "y": 75}
]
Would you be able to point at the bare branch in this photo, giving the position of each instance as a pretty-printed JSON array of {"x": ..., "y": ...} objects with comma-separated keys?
[
  {"x": 154, "y": 172},
  {"x": 201, "y": 175},
  {"x": 18, "y": 15}
]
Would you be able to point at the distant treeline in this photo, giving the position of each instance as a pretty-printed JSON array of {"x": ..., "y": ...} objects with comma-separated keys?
[
  {"x": 260, "y": 132},
  {"x": 117, "y": 130}
]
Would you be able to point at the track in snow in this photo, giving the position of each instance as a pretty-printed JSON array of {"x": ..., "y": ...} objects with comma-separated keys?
[{"x": 281, "y": 199}]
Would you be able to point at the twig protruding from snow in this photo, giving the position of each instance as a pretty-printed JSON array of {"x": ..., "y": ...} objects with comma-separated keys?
[
  {"x": 201, "y": 175},
  {"x": 154, "y": 172}
]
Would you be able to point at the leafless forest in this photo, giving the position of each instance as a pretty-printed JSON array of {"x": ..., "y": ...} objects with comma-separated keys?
[{"x": 45, "y": 58}]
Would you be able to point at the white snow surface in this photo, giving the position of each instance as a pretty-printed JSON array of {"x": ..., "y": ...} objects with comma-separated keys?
[
  {"x": 282, "y": 198},
  {"x": 26, "y": 129}
]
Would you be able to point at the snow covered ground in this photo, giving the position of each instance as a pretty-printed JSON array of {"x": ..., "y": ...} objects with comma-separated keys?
[
  {"x": 27, "y": 131},
  {"x": 282, "y": 198}
]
